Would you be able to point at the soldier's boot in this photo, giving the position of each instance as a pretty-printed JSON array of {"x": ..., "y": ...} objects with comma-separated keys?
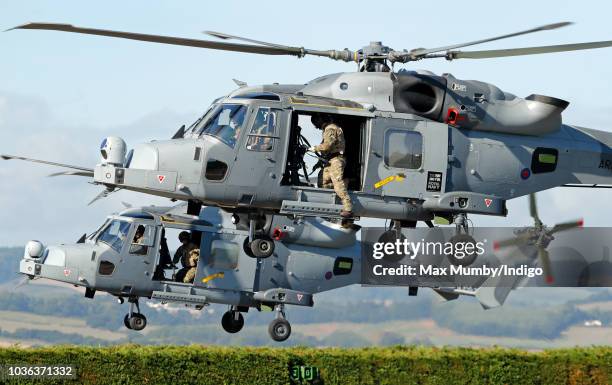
[
  {"x": 347, "y": 208},
  {"x": 346, "y": 214}
]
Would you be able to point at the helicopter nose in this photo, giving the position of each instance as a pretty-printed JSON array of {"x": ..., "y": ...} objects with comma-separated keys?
[{"x": 144, "y": 157}]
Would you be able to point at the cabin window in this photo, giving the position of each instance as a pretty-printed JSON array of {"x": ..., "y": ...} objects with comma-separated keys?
[
  {"x": 215, "y": 169},
  {"x": 544, "y": 160},
  {"x": 403, "y": 149},
  {"x": 224, "y": 254},
  {"x": 262, "y": 134},
  {"x": 106, "y": 268}
]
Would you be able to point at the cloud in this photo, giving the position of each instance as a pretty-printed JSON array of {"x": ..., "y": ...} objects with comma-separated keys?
[{"x": 33, "y": 206}]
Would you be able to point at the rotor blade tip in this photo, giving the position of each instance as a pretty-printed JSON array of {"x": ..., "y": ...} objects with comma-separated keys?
[
  {"x": 5, "y": 157},
  {"x": 558, "y": 25},
  {"x": 549, "y": 279},
  {"x": 495, "y": 245},
  {"x": 216, "y": 34},
  {"x": 581, "y": 223}
]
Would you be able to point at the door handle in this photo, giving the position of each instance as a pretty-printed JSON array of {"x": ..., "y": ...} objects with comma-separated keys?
[
  {"x": 270, "y": 159},
  {"x": 376, "y": 154}
]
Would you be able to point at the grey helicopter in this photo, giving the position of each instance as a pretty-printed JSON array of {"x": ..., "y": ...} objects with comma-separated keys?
[
  {"x": 418, "y": 145},
  {"x": 128, "y": 256}
]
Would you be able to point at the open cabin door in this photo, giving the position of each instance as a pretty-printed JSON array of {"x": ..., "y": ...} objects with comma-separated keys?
[
  {"x": 224, "y": 264},
  {"x": 406, "y": 158}
]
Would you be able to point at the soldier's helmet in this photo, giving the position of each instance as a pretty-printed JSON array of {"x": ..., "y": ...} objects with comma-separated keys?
[
  {"x": 320, "y": 120},
  {"x": 184, "y": 236}
]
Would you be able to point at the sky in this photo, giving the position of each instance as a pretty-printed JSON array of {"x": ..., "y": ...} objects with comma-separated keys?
[{"x": 61, "y": 94}]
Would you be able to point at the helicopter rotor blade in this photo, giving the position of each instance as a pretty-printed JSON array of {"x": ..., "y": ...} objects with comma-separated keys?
[
  {"x": 21, "y": 282},
  {"x": 533, "y": 208},
  {"x": 516, "y": 241},
  {"x": 545, "y": 261},
  {"x": 103, "y": 194},
  {"x": 163, "y": 39},
  {"x": 566, "y": 226},
  {"x": 269, "y": 49},
  {"x": 73, "y": 173},
  {"x": 226, "y": 36},
  {"x": 423, "y": 52},
  {"x": 85, "y": 169},
  {"x": 489, "y": 54}
]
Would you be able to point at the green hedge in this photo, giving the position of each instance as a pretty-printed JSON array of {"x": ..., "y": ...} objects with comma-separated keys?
[{"x": 131, "y": 364}]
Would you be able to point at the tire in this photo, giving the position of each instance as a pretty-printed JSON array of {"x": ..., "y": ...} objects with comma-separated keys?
[
  {"x": 279, "y": 329},
  {"x": 262, "y": 247},
  {"x": 467, "y": 259},
  {"x": 126, "y": 321},
  {"x": 138, "y": 321},
  {"x": 230, "y": 324}
]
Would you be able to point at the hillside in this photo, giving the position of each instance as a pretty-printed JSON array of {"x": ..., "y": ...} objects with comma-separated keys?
[{"x": 42, "y": 313}]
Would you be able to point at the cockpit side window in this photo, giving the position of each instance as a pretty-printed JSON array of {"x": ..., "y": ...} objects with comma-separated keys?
[
  {"x": 115, "y": 234},
  {"x": 143, "y": 238},
  {"x": 263, "y": 131},
  {"x": 226, "y": 123}
]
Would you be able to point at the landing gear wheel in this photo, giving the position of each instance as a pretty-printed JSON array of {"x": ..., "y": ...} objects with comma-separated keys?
[
  {"x": 137, "y": 321},
  {"x": 390, "y": 236},
  {"x": 126, "y": 321},
  {"x": 279, "y": 329},
  {"x": 230, "y": 323},
  {"x": 262, "y": 247},
  {"x": 465, "y": 259}
]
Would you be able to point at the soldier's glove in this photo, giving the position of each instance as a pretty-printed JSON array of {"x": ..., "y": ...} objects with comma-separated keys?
[{"x": 312, "y": 149}]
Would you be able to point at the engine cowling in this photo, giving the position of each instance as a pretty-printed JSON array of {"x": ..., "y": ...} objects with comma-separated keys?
[{"x": 476, "y": 105}]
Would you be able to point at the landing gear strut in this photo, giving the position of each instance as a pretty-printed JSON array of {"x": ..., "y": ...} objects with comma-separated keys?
[
  {"x": 279, "y": 329},
  {"x": 134, "y": 320},
  {"x": 232, "y": 321},
  {"x": 260, "y": 246},
  {"x": 462, "y": 235}
]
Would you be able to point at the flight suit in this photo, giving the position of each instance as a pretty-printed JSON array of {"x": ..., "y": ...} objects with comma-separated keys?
[
  {"x": 183, "y": 253},
  {"x": 332, "y": 148},
  {"x": 192, "y": 265}
]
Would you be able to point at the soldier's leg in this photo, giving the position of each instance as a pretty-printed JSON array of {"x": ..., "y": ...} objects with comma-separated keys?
[
  {"x": 327, "y": 179},
  {"x": 180, "y": 275},
  {"x": 190, "y": 275},
  {"x": 337, "y": 176}
]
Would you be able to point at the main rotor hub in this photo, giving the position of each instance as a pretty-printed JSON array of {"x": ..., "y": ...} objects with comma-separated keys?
[{"x": 375, "y": 48}]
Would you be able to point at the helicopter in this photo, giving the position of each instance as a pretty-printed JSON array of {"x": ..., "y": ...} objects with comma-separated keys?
[
  {"x": 419, "y": 145},
  {"x": 312, "y": 255}
]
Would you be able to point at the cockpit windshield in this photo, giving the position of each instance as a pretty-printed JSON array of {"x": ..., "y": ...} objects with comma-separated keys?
[
  {"x": 94, "y": 235},
  {"x": 115, "y": 234},
  {"x": 225, "y": 123}
]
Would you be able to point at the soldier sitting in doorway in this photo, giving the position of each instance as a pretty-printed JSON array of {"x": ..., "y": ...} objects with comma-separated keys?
[{"x": 188, "y": 254}]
